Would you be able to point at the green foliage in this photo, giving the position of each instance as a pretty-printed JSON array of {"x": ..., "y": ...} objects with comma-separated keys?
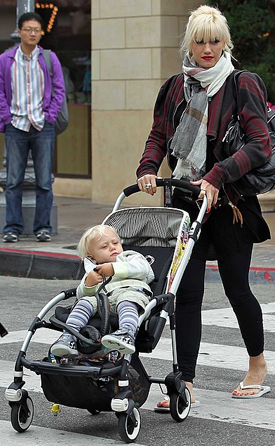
[{"x": 251, "y": 22}]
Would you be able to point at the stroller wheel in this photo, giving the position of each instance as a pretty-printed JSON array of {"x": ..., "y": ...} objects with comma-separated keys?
[
  {"x": 179, "y": 408},
  {"x": 129, "y": 425},
  {"x": 22, "y": 415}
]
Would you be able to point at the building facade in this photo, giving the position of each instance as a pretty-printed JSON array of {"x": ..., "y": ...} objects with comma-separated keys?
[
  {"x": 135, "y": 48},
  {"x": 115, "y": 56}
]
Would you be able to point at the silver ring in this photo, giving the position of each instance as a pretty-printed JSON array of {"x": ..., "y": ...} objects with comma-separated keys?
[{"x": 148, "y": 185}]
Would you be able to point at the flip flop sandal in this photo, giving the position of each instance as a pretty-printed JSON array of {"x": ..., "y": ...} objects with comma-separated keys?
[{"x": 262, "y": 391}]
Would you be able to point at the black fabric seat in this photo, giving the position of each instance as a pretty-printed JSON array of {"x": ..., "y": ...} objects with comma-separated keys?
[{"x": 160, "y": 260}]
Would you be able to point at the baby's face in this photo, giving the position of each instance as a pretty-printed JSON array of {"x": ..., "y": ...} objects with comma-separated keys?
[{"x": 106, "y": 249}]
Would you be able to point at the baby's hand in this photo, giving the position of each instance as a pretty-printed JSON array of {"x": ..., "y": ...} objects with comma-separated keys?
[
  {"x": 105, "y": 270},
  {"x": 93, "y": 278}
]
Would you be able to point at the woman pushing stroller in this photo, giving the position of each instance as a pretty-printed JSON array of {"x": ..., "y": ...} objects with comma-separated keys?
[
  {"x": 191, "y": 116},
  {"x": 128, "y": 292}
]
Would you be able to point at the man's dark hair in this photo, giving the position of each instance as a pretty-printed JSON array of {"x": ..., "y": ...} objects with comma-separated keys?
[{"x": 30, "y": 16}]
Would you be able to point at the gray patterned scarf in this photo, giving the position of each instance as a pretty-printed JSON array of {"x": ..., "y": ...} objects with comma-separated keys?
[{"x": 189, "y": 141}]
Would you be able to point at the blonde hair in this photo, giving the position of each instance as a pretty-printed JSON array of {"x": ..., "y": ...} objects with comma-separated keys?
[
  {"x": 95, "y": 232},
  {"x": 206, "y": 23}
]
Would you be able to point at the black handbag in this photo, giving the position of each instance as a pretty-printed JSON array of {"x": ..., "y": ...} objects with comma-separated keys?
[{"x": 260, "y": 179}]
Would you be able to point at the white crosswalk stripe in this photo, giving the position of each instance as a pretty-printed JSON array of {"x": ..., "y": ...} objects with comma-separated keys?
[
  {"x": 41, "y": 435},
  {"x": 219, "y": 406},
  {"x": 225, "y": 317},
  {"x": 215, "y": 405}
]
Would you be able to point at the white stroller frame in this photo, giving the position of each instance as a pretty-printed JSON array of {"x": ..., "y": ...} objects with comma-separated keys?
[{"x": 122, "y": 403}]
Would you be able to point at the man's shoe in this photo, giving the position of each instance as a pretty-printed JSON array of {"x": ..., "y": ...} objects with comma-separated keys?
[
  {"x": 43, "y": 236},
  {"x": 65, "y": 346},
  {"x": 10, "y": 237},
  {"x": 119, "y": 340}
]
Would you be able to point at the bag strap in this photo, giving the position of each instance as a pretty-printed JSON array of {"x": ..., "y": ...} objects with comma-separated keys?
[
  {"x": 235, "y": 80},
  {"x": 47, "y": 57}
]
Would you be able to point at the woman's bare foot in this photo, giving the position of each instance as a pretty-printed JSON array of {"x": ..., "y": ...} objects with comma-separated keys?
[
  {"x": 165, "y": 403},
  {"x": 256, "y": 375},
  {"x": 191, "y": 390}
]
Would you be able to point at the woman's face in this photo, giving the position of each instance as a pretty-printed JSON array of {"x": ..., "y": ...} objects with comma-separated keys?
[{"x": 207, "y": 54}]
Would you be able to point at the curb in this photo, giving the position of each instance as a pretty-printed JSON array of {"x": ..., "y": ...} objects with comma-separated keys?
[
  {"x": 40, "y": 264},
  {"x": 54, "y": 265}
]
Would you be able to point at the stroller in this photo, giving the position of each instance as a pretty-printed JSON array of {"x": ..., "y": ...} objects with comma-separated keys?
[{"x": 113, "y": 382}]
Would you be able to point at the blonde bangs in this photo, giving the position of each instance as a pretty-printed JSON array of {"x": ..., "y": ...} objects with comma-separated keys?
[
  {"x": 208, "y": 33},
  {"x": 206, "y": 24}
]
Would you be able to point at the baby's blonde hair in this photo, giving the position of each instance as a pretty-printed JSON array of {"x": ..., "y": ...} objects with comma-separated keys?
[
  {"x": 206, "y": 23},
  {"x": 95, "y": 232}
]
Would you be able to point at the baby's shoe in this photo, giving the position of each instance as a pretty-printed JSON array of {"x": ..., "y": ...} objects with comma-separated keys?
[
  {"x": 65, "y": 346},
  {"x": 120, "y": 340}
]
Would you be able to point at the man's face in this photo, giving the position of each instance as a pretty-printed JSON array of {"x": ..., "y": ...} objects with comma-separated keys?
[{"x": 30, "y": 33}]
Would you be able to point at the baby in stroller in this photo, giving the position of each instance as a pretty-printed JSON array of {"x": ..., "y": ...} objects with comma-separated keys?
[{"x": 128, "y": 290}]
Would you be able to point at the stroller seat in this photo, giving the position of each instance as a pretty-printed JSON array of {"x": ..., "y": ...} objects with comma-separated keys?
[{"x": 150, "y": 329}]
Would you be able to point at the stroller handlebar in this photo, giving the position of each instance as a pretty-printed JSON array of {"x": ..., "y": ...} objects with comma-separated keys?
[{"x": 162, "y": 182}]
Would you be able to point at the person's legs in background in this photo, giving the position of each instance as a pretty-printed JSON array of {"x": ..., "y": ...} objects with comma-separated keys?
[
  {"x": 42, "y": 147},
  {"x": 17, "y": 148},
  {"x": 234, "y": 271}
]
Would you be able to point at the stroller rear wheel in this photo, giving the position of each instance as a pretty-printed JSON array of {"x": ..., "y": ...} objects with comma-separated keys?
[
  {"x": 179, "y": 408},
  {"x": 22, "y": 415},
  {"x": 129, "y": 425}
]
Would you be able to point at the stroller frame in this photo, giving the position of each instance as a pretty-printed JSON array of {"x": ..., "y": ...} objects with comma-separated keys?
[{"x": 122, "y": 403}]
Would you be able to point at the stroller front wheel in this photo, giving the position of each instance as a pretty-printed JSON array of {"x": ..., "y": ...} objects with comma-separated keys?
[
  {"x": 179, "y": 408},
  {"x": 129, "y": 425},
  {"x": 22, "y": 415}
]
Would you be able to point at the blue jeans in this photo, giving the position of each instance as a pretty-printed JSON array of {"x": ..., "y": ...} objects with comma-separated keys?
[{"x": 41, "y": 145}]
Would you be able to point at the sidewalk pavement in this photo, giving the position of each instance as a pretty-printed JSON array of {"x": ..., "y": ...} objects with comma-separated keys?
[{"x": 58, "y": 258}]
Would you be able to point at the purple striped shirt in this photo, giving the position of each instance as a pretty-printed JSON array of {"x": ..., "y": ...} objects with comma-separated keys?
[{"x": 27, "y": 83}]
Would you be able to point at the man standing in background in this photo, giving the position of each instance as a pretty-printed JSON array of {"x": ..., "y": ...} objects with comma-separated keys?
[{"x": 28, "y": 111}]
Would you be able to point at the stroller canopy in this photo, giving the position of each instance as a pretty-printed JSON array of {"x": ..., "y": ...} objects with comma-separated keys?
[{"x": 152, "y": 226}]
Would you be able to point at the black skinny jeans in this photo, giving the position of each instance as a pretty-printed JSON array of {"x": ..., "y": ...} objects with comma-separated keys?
[{"x": 234, "y": 271}]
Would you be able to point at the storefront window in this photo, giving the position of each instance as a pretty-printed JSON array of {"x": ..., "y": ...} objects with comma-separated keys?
[{"x": 68, "y": 34}]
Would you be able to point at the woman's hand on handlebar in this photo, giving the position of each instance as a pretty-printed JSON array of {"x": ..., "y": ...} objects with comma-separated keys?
[
  {"x": 147, "y": 184},
  {"x": 209, "y": 190}
]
